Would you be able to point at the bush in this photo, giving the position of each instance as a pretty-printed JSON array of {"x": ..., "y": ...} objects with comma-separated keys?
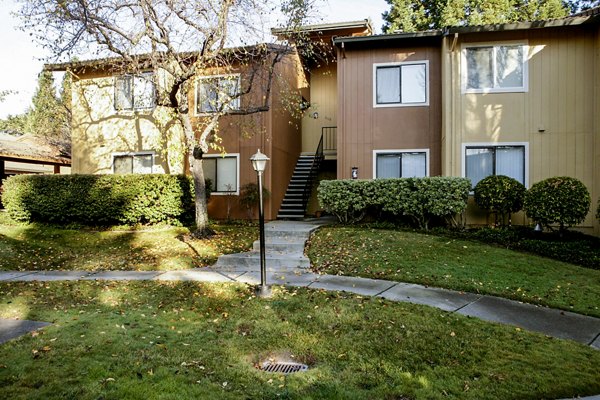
[
  {"x": 249, "y": 197},
  {"x": 418, "y": 198},
  {"x": 598, "y": 211},
  {"x": 100, "y": 199},
  {"x": 347, "y": 199},
  {"x": 500, "y": 195},
  {"x": 561, "y": 200},
  {"x": 572, "y": 247}
]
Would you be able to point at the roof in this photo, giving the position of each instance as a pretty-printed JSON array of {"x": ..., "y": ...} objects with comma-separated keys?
[
  {"x": 388, "y": 36},
  {"x": 103, "y": 62},
  {"x": 29, "y": 148},
  {"x": 332, "y": 26},
  {"x": 573, "y": 20},
  {"x": 587, "y": 17}
]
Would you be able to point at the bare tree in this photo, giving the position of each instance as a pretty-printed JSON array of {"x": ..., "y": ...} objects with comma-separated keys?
[{"x": 181, "y": 38}]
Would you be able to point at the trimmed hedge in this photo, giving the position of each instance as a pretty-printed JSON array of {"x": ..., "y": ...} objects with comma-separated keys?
[
  {"x": 100, "y": 199},
  {"x": 572, "y": 247},
  {"x": 500, "y": 195},
  {"x": 560, "y": 200},
  {"x": 421, "y": 199}
]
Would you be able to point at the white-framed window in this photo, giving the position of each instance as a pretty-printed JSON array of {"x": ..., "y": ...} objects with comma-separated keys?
[
  {"x": 217, "y": 93},
  {"x": 135, "y": 92},
  {"x": 400, "y": 163},
  {"x": 481, "y": 160},
  {"x": 401, "y": 84},
  {"x": 489, "y": 68},
  {"x": 223, "y": 171},
  {"x": 133, "y": 163}
]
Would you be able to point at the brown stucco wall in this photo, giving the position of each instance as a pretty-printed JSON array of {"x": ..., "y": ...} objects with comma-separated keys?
[
  {"x": 274, "y": 132},
  {"x": 363, "y": 128}
]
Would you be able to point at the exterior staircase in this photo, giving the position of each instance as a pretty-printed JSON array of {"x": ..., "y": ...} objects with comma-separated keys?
[
  {"x": 298, "y": 192},
  {"x": 284, "y": 250}
]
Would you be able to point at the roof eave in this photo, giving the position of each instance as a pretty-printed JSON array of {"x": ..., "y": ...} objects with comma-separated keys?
[
  {"x": 388, "y": 37},
  {"x": 518, "y": 26},
  {"x": 364, "y": 23}
]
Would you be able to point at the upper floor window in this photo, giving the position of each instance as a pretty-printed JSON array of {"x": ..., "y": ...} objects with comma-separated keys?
[
  {"x": 482, "y": 160},
  {"x": 400, "y": 163},
  {"x": 135, "y": 92},
  {"x": 217, "y": 93},
  {"x": 133, "y": 163},
  {"x": 401, "y": 84},
  {"x": 495, "y": 68}
]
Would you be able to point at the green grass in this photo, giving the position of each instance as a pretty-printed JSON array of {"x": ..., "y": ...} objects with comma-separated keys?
[
  {"x": 150, "y": 340},
  {"x": 455, "y": 264},
  {"x": 41, "y": 247}
]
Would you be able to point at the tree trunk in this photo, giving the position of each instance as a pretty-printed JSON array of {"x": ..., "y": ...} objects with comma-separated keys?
[
  {"x": 202, "y": 227},
  {"x": 195, "y": 158}
]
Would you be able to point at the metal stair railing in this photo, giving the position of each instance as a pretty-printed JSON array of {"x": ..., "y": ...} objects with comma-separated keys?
[{"x": 314, "y": 169}]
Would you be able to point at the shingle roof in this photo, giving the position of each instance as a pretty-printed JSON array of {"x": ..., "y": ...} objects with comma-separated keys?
[{"x": 30, "y": 148}]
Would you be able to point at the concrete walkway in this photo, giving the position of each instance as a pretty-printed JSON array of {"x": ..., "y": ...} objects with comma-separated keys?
[{"x": 287, "y": 265}]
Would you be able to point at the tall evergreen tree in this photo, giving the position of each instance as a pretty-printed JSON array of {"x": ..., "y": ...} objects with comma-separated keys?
[
  {"x": 581, "y": 5},
  {"x": 46, "y": 112},
  {"x": 411, "y": 15},
  {"x": 65, "y": 106}
]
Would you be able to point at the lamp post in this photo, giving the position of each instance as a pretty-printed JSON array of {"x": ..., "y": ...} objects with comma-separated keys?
[{"x": 259, "y": 163}]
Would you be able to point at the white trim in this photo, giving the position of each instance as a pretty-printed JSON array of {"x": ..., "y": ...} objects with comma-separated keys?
[
  {"x": 132, "y": 154},
  {"x": 494, "y": 144},
  {"x": 393, "y": 64},
  {"x": 237, "y": 175},
  {"x": 207, "y": 77},
  {"x": 464, "y": 72},
  {"x": 377, "y": 152},
  {"x": 133, "y": 108}
]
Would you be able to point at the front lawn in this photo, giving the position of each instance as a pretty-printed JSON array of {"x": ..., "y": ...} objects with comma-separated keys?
[
  {"x": 455, "y": 264},
  {"x": 41, "y": 248},
  {"x": 149, "y": 340}
]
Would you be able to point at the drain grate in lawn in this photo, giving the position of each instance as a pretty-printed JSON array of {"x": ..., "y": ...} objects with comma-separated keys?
[{"x": 285, "y": 368}]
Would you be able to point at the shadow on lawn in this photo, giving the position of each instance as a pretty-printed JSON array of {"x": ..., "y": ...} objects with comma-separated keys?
[
  {"x": 40, "y": 247},
  {"x": 112, "y": 338}
]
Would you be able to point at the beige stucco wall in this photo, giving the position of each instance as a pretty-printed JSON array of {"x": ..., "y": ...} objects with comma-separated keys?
[
  {"x": 324, "y": 101},
  {"x": 557, "y": 116},
  {"x": 99, "y": 131}
]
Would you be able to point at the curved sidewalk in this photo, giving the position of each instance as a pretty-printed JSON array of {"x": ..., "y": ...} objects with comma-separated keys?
[{"x": 552, "y": 322}]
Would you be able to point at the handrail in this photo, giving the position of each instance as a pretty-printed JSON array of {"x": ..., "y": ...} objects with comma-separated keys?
[{"x": 314, "y": 167}]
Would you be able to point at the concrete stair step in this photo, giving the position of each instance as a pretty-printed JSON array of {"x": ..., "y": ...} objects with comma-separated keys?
[
  {"x": 274, "y": 261},
  {"x": 281, "y": 247}
]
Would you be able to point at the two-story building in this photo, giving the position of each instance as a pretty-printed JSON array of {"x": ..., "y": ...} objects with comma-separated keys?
[{"x": 521, "y": 100}]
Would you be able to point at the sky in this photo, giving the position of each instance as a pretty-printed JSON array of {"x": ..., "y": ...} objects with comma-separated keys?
[{"x": 22, "y": 60}]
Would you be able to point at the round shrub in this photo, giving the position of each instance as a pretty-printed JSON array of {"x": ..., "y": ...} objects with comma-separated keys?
[
  {"x": 500, "y": 195},
  {"x": 560, "y": 200}
]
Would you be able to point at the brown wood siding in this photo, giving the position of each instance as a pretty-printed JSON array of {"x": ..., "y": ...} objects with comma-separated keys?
[{"x": 363, "y": 128}]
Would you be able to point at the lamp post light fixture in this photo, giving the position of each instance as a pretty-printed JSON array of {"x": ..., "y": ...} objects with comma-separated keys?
[{"x": 259, "y": 163}]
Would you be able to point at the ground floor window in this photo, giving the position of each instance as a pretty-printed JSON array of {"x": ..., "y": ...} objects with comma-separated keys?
[
  {"x": 482, "y": 160},
  {"x": 401, "y": 163},
  {"x": 223, "y": 172},
  {"x": 133, "y": 163}
]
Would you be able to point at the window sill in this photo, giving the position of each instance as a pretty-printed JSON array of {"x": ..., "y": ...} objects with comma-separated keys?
[
  {"x": 394, "y": 105},
  {"x": 491, "y": 91}
]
